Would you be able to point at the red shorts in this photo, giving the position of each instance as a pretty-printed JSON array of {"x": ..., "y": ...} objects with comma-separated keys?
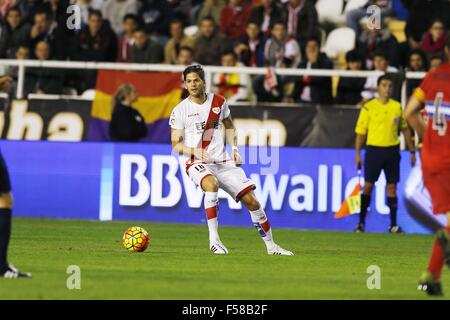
[{"x": 438, "y": 185}]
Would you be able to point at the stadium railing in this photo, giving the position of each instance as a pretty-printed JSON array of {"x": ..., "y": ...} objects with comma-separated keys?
[{"x": 209, "y": 71}]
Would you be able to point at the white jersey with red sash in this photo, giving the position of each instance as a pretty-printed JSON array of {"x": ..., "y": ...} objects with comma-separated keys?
[{"x": 202, "y": 124}]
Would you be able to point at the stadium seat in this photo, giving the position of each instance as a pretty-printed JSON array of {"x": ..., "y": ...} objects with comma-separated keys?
[
  {"x": 339, "y": 40},
  {"x": 331, "y": 11},
  {"x": 354, "y": 4},
  {"x": 191, "y": 31},
  {"x": 89, "y": 94}
]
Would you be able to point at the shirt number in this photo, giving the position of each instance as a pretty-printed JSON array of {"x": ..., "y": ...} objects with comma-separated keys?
[{"x": 439, "y": 123}]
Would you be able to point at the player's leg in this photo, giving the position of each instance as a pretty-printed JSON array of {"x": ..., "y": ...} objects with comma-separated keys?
[
  {"x": 6, "y": 205},
  {"x": 5, "y": 229},
  {"x": 203, "y": 176},
  {"x": 233, "y": 180},
  {"x": 262, "y": 224},
  {"x": 439, "y": 189},
  {"x": 392, "y": 202},
  {"x": 392, "y": 172},
  {"x": 365, "y": 203},
  {"x": 210, "y": 186},
  {"x": 372, "y": 169}
]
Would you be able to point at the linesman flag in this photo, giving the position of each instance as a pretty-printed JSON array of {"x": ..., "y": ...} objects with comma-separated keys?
[{"x": 352, "y": 204}]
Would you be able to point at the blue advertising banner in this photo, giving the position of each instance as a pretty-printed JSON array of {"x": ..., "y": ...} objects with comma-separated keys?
[{"x": 299, "y": 188}]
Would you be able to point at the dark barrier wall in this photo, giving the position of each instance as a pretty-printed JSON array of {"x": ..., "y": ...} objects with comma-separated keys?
[{"x": 70, "y": 120}]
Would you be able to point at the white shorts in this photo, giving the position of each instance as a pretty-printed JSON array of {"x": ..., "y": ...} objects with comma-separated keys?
[{"x": 232, "y": 179}]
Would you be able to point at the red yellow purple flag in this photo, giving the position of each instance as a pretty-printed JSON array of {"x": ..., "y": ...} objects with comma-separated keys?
[{"x": 159, "y": 93}]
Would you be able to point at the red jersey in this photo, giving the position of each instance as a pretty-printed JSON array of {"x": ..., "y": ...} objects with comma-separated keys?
[{"x": 434, "y": 93}]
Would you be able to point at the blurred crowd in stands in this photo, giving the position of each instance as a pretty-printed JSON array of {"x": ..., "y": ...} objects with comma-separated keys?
[{"x": 259, "y": 33}]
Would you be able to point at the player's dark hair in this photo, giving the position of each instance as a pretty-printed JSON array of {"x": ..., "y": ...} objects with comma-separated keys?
[
  {"x": 196, "y": 68},
  {"x": 383, "y": 77}
]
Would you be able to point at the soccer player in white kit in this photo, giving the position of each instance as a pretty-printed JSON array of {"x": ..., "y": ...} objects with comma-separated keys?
[{"x": 196, "y": 134}]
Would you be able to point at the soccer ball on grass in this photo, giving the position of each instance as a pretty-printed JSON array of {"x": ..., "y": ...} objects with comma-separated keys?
[{"x": 135, "y": 239}]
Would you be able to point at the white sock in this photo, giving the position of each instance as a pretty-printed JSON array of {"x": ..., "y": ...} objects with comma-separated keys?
[
  {"x": 212, "y": 211},
  {"x": 261, "y": 222}
]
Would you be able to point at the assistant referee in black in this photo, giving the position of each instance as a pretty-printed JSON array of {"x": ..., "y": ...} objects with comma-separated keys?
[{"x": 380, "y": 121}]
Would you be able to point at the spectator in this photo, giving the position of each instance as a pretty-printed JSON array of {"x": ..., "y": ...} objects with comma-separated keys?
[
  {"x": 115, "y": 10},
  {"x": 417, "y": 62},
  {"x": 433, "y": 41},
  {"x": 58, "y": 11},
  {"x": 95, "y": 42},
  {"x": 315, "y": 89},
  {"x": 209, "y": 44},
  {"x": 211, "y": 9},
  {"x": 280, "y": 51},
  {"x": 14, "y": 32},
  {"x": 46, "y": 29},
  {"x": 177, "y": 41},
  {"x": 145, "y": 50},
  {"x": 349, "y": 89},
  {"x": 185, "y": 56},
  {"x": 28, "y": 8},
  {"x": 303, "y": 21},
  {"x": 84, "y": 6},
  {"x": 126, "y": 40},
  {"x": 373, "y": 39},
  {"x": 265, "y": 13},
  {"x": 250, "y": 50},
  {"x": 354, "y": 16},
  {"x": 420, "y": 15},
  {"x": 22, "y": 52},
  {"x": 234, "y": 18},
  {"x": 43, "y": 80},
  {"x": 127, "y": 124},
  {"x": 435, "y": 61},
  {"x": 380, "y": 63},
  {"x": 156, "y": 16},
  {"x": 233, "y": 86}
]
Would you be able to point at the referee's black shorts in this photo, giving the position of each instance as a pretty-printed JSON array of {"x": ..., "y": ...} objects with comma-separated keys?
[
  {"x": 5, "y": 184},
  {"x": 382, "y": 158}
]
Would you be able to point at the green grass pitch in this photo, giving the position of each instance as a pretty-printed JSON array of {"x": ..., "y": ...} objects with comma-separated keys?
[{"x": 178, "y": 265}]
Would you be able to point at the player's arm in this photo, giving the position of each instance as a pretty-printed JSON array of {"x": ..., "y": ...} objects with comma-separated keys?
[
  {"x": 361, "y": 132},
  {"x": 413, "y": 116},
  {"x": 231, "y": 138},
  {"x": 359, "y": 142},
  {"x": 410, "y": 144},
  {"x": 177, "y": 138}
]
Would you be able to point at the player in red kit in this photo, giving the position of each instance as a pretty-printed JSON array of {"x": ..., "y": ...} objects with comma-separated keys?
[{"x": 433, "y": 96}]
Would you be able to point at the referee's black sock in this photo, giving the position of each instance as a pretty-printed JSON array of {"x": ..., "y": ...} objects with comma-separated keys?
[
  {"x": 392, "y": 204},
  {"x": 365, "y": 202},
  {"x": 5, "y": 233}
]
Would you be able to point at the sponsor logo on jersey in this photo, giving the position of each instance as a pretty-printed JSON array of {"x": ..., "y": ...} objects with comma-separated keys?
[{"x": 216, "y": 110}]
